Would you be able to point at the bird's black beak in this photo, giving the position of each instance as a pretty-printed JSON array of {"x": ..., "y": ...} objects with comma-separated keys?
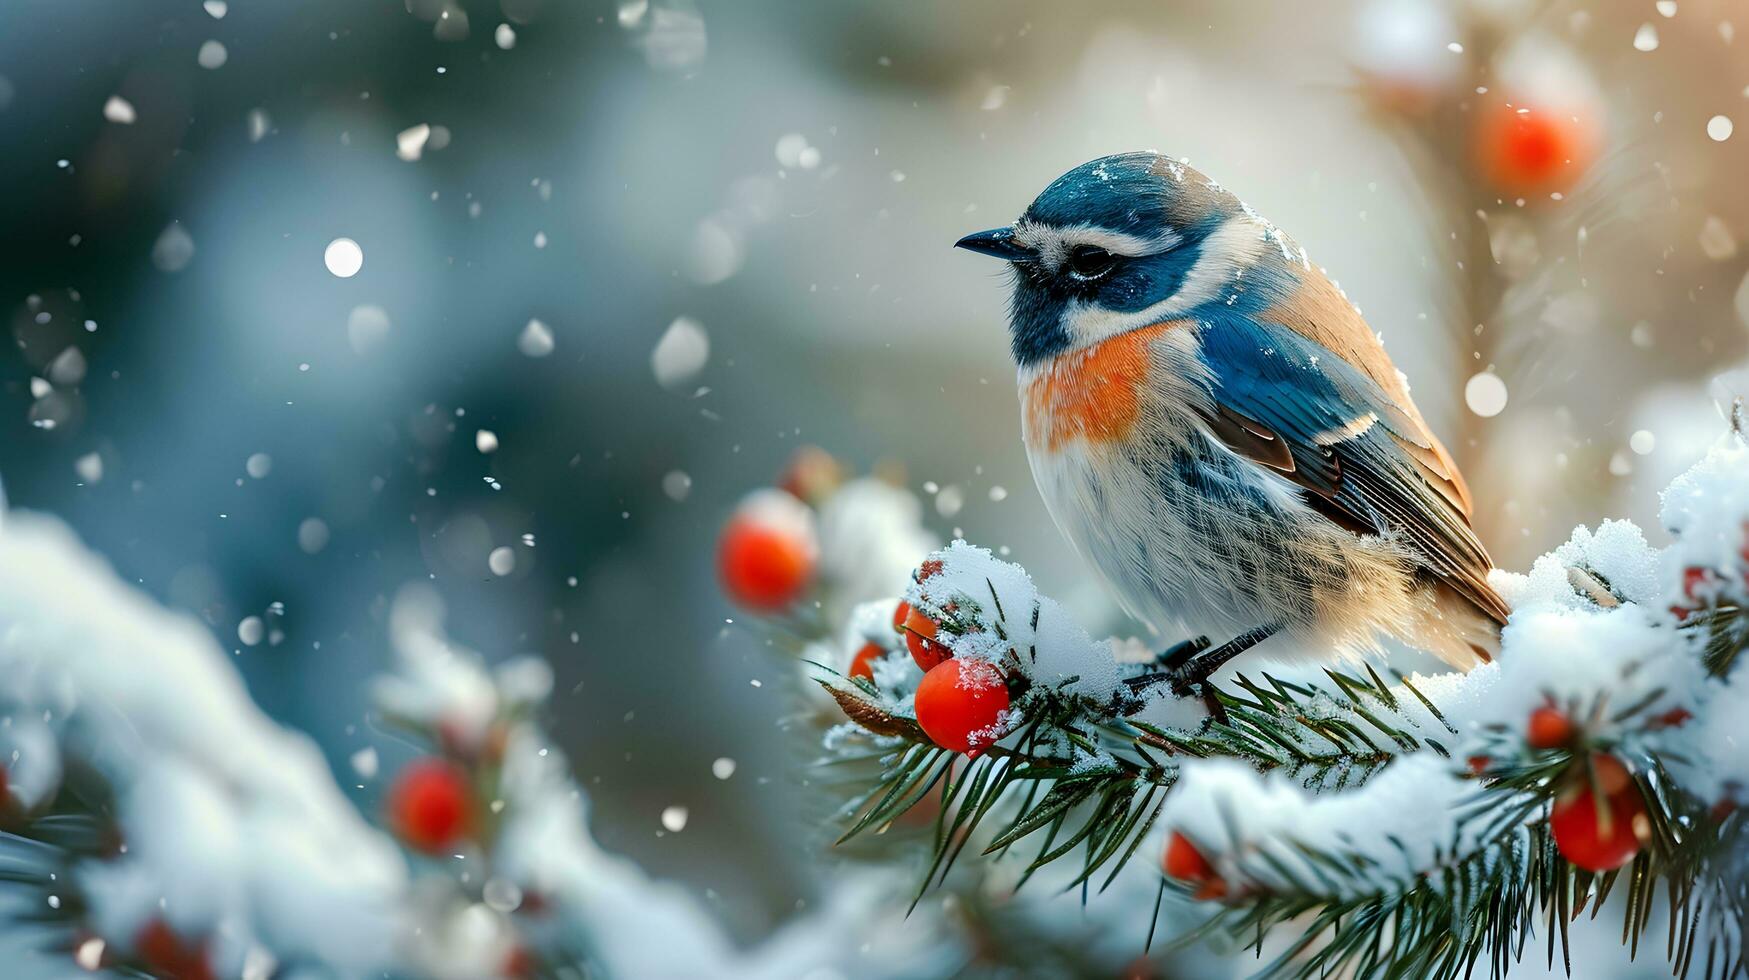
[{"x": 998, "y": 242}]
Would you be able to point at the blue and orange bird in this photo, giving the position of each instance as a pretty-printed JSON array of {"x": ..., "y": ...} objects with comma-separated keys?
[{"x": 1220, "y": 434}]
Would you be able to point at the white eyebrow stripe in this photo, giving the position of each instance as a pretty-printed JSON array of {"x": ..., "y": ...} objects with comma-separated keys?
[
  {"x": 1053, "y": 243},
  {"x": 1121, "y": 243}
]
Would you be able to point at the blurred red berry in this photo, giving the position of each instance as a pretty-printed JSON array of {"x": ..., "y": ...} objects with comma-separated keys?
[
  {"x": 862, "y": 665},
  {"x": 430, "y": 805},
  {"x": 960, "y": 704},
  {"x": 764, "y": 567},
  {"x": 170, "y": 956},
  {"x": 1672, "y": 718},
  {"x": 900, "y": 611},
  {"x": 813, "y": 474},
  {"x": 519, "y": 963},
  {"x": 1549, "y": 728},
  {"x": 1529, "y": 152},
  {"x": 1599, "y": 821}
]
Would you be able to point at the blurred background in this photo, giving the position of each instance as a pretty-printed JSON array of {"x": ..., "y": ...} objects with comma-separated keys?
[{"x": 518, "y": 297}]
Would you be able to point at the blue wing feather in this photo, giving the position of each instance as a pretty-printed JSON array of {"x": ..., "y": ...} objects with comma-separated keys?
[{"x": 1348, "y": 441}]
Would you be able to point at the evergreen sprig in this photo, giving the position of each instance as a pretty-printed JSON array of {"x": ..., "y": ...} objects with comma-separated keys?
[{"x": 1082, "y": 785}]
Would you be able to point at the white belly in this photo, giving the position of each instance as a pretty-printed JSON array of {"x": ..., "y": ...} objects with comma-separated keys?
[{"x": 1165, "y": 555}]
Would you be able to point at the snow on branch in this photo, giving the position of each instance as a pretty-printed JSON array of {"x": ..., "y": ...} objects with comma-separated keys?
[{"x": 176, "y": 830}]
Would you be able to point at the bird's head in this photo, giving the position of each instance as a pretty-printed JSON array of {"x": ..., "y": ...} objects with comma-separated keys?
[{"x": 1119, "y": 243}]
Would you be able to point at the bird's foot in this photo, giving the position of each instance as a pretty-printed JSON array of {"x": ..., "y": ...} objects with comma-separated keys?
[
  {"x": 1189, "y": 664},
  {"x": 1187, "y": 677},
  {"x": 1178, "y": 654}
]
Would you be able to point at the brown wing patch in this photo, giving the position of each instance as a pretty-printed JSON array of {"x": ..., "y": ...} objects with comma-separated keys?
[{"x": 1251, "y": 439}]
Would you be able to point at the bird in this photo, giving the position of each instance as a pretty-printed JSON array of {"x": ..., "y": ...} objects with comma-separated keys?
[{"x": 1218, "y": 432}]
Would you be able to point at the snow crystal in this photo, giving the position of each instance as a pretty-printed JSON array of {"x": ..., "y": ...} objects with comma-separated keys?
[
  {"x": 343, "y": 257},
  {"x": 367, "y": 326},
  {"x": 365, "y": 762},
  {"x": 715, "y": 253},
  {"x": 680, "y": 354},
  {"x": 794, "y": 152},
  {"x": 723, "y": 768},
  {"x": 251, "y": 631},
  {"x": 212, "y": 55},
  {"x": 1717, "y": 242},
  {"x": 1485, "y": 394},
  {"x": 68, "y": 367},
  {"x": 1646, "y": 38},
  {"x": 312, "y": 535},
  {"x": 89, "y": 954},
  {"x": 486, "y": 441},
  {"x": 1719, "y": 128},
  {"x": 89, "y": 467},
  {"x": 673, "y": 39},
  {"x": 119, "y": 111},
  {"x": 173, "y": 249},
  {"x": 536, "y": 339},
  {"x": 676, "y": 484},
  {"x": 216, "y": 9},
  {"x": 674, "y": 819},
  {"x": 502, "y": 561},
  {"x": 258, "y": 465},
  {"x": 505, "y": 37},
  {"x": 410, "y": 142}
]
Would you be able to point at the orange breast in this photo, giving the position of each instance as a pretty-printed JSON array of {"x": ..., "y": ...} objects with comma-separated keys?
[{"x": 1094, "y": 394}]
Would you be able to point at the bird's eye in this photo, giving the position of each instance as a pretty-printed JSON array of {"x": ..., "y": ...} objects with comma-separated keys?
[{"x": 1089, "y": 262}]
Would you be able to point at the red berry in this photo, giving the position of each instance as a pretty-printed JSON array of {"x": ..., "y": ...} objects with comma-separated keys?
[
  {"x": 169, "y": 955},
  {"x": 519, "y": 963},
  {"x": 1526, "y": 153},
  {"x": 1187, "y": 864},
  {"x": 1549, "y": 728},
  {"x": 961, "y": 703},
  {"x": 1184, "y": 862},
  {"x": 862, "y": 665},
  {"x": 1699, "y": 587},
  {"x": 764, "y": 567},
  {"x": 1479, "y": 764},
  {"x": 431, "y": 805},
  {"x": 1600, "y": 833},
  {"x": 930, "y": 568},
  {"x": 902, "y": 610},
  {"x": 920, "y": 639},
  {"x": 1672, "y": 718}
]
